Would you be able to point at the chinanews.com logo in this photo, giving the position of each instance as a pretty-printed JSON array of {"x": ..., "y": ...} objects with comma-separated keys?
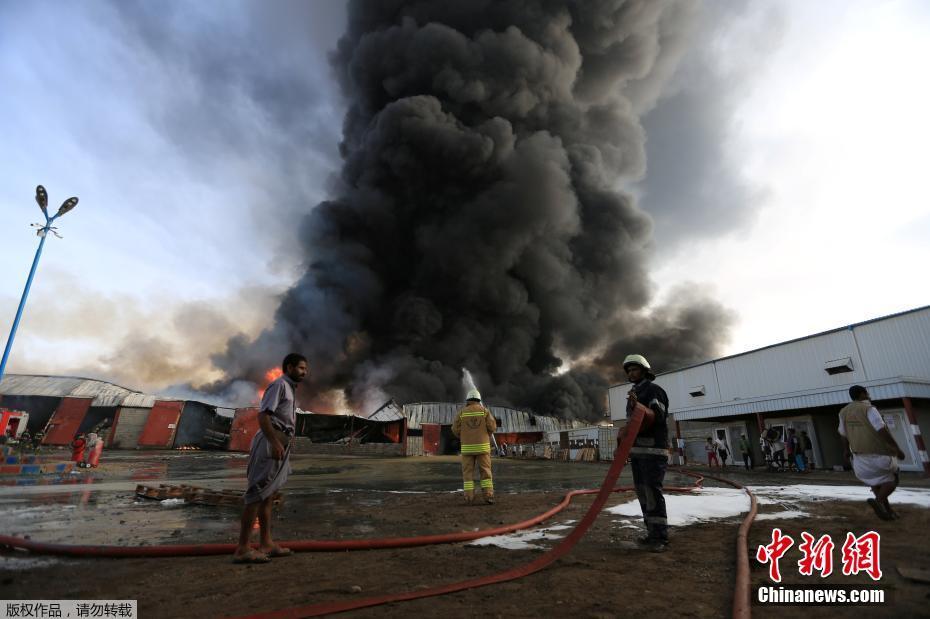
[{"x": 858, "y": 554}]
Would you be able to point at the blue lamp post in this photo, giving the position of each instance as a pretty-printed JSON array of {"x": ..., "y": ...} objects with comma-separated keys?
[{"x": 42, "y": 232}]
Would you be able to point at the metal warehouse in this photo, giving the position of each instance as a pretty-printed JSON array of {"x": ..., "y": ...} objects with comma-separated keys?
[
  {"x": 429, "y": 426},
  {"x": 802, "y": 384},
  {"x": 64, "y": 406}
]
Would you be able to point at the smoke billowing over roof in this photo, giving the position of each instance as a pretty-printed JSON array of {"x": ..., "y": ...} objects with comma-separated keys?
[{"x": 479, "y": 221}]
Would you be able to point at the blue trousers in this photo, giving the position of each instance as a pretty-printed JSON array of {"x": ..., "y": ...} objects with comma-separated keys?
[{"x": 648, "y": 475}]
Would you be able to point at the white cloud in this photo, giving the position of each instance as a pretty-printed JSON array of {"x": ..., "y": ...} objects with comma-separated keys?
[{"x": 834, "y": 132}]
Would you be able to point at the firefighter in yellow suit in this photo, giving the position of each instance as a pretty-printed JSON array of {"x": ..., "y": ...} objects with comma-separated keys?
[{"x": 474, "y": 426}]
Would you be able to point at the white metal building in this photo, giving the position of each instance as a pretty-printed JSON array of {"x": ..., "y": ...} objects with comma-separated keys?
[{"x": 803, "y": 384}]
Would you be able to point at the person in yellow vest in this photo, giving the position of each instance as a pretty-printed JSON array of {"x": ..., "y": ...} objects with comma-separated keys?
[
  {"x": 874, "y": 452},
  {"x": 474, "y": 426}
]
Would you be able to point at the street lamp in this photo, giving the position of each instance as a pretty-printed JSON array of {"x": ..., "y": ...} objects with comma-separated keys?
[{"x": 42, "y": 231}]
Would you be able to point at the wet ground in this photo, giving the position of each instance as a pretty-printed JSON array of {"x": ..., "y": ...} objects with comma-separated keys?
[{"x": 356, "y": 497}]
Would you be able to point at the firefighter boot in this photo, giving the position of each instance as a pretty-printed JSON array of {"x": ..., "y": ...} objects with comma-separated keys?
[{"x": 469, "y": 492}]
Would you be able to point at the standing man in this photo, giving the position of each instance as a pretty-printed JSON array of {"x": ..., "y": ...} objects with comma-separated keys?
[
  {"x": 746, "y": 451},
  {"x": 874, "y": 452},
  {"x": 269, "y": 461},
  {"x": 474, "y": 426},
  {"x": 808, "y": 450},
  {"x": 649, "y": 455}
]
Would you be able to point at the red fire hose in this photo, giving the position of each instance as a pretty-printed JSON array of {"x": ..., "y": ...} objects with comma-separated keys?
[{"x": 741, "y": 600}]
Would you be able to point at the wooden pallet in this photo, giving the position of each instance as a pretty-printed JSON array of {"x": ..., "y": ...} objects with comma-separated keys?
[{"x": 195, "y": 495}]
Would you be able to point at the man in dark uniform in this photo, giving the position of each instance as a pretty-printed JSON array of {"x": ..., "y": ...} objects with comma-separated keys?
[{"x": 649, "y": 455}]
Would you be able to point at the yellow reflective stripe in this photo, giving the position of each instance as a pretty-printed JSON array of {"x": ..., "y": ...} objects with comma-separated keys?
[
  {"x": 482, "y": 448},
  {"x": 487, "y": 483},
  {"x": 472, "y": 414},
  {"x": 469, "y": 485}
]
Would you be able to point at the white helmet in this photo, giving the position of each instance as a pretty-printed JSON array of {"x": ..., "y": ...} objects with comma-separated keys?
[
  {"x": 473, "y": 394},
  {"x": 638, "y": 360}
]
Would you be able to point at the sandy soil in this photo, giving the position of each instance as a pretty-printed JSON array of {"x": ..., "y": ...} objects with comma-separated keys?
[{"x": 604, "y": 576}]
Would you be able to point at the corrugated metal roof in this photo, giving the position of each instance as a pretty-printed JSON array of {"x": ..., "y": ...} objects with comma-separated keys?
[
  {"x": 102, "y": 392},
  {"x": 389, "y": 411},
  {"x": 511, "y": 419},
  {"x": 139, "y": 400},
  {"x": 878, "y": 390}
]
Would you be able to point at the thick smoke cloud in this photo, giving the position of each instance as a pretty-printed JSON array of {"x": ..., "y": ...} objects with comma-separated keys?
[{"x": 478, "y": 220}]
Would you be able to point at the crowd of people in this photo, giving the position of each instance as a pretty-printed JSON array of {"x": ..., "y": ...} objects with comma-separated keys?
[{"x": 794, "y": 452}]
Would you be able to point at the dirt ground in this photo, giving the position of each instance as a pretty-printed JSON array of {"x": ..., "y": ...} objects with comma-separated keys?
[{"x": 605, "y": 575}]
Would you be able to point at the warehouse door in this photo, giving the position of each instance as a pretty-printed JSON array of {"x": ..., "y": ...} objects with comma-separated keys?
[
  {"x": 161, "y": 425},
  {"x": 431, "y": 438},
  {"x": 64, "y": 424}
]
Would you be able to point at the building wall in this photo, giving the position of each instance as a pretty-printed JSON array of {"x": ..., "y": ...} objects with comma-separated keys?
[
  {"x": 695, "y": 434},
  {"x": 922, "y": 412},
  {"x": 790, "y": 367},
  {"x": 897, "y": 346},
  {"x": 886, "y": 348},
  {"x": 831, "y": 444}
]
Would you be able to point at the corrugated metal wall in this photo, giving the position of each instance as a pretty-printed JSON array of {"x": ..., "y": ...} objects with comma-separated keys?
[
  {"x": 886, "y": 348},
  {"x": 511, "y": 420},
  {"x": 898, "y": 346},
  {"x": 244, "y": 428},
  {"x": 414, "y": 445},
  {"x": 161, "y": 425},
  {"x": 64, "y": 424},
  {"x": 796, "y": 366}
]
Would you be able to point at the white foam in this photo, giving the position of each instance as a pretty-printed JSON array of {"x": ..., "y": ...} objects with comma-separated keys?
[
  {"x": 521, "y": 539},
  {"x": 698, "y": 506},
  {"x": 172, "y": 502},
  {"x": 26, "y": 562},
  {"x": 802, "y": 492},
  {"x": 709, "y": 504},
  {"x": 790, "y": 513}
]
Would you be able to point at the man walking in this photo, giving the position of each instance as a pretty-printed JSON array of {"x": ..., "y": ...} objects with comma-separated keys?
[
  {"x": 746, "y": 451},
  {"x": 269, "y": 461},
  {"x": 874, "y": 452},
  {"x": 474, "y": 425},
  {"x": 649, "y": 455}
]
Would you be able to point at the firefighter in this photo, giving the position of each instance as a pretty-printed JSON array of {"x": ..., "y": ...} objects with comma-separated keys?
[
  {"x": 649, "y": 455},
  {"x": 474, "y": 426}
]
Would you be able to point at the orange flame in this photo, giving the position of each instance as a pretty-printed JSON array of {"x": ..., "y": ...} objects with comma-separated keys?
[{"x": 270, "y": 376}]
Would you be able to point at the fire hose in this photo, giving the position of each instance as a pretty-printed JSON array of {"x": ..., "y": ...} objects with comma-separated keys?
[{"x": 740, "y": 603}]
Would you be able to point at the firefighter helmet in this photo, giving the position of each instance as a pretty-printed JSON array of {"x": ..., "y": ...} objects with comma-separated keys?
[
  {"x": 638, "y": 360},
  {"x": 473, "y": 394}
]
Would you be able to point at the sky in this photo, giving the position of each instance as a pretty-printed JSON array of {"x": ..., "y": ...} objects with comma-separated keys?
[{"x": 783, "y": 172}]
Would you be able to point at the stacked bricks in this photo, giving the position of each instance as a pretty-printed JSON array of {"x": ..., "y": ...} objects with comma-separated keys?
[{"x": 195, "y": 495}]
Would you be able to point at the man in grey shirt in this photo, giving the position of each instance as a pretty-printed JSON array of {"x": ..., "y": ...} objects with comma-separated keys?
[{"x": 269, "y": 461}]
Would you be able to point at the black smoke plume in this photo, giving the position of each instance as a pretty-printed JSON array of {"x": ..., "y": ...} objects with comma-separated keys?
[{"x": 478, "y": 221}]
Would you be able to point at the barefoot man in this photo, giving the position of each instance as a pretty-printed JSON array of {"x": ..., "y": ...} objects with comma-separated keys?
[{"x": 269, "y": 462}]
